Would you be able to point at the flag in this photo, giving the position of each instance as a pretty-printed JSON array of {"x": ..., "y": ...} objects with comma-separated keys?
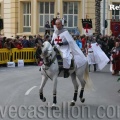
[
  {"x": 87, "y": 26},
  {"x": 100, "y": 57}
]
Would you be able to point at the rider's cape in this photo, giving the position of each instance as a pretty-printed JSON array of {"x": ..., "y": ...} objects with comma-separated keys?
[
  {"x": 78, "y": 55},
  {"x": 100, "y": 57}
]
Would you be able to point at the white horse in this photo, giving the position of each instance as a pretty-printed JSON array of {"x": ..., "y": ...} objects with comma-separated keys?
[{"x": 50, "y": 69}]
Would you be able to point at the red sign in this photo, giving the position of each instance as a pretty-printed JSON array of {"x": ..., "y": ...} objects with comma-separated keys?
[
  {"x": 115, "y": 28},
  {"x": 87, "y": 27}
]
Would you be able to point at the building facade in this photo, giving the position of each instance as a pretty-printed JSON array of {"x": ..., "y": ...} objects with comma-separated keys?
[{"x": 28, "y": 17}]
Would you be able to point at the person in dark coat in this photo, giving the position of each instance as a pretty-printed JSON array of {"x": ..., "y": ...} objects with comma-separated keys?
[
  {"x": 39, "y": 39},
  {"x": 47, "y": 26},
  {"x": 116, "y": 58},
  {"x": 25, "y": 42}
]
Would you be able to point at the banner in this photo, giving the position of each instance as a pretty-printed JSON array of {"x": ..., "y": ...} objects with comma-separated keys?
[
  {"x": 115, "y": 28},
  {"x": 100, "y": 57},
  {"x": 87, "y": 25}
]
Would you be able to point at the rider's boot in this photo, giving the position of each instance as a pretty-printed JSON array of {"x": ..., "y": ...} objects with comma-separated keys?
[
  {"x": 94, "y": 67},
  {"x": 89, "y": 68},
  {"x": 66, "y": 73}
]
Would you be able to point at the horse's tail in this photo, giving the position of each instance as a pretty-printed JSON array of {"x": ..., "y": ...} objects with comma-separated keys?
[{"x": 87, "y": 77}]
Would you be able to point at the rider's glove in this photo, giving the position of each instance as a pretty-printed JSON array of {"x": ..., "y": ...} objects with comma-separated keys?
[{"x": 60, "y": 44}]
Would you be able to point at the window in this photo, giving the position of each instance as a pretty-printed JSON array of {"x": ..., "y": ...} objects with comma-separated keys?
[
  {"x": 46, "y": 13},
  {"x": 27, "y": 17},
  {"x": 116, "y": 13},
  {"x": 70, "y": 13}
]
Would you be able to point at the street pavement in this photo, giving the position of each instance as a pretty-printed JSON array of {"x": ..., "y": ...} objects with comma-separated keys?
[{"x": 19, "y": 96}]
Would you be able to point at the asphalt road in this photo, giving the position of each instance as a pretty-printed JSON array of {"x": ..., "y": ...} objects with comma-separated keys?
[{"x": 19, "y": 96}]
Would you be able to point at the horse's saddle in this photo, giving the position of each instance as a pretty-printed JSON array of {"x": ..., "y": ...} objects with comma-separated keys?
[{"x": 60, "y": 60}]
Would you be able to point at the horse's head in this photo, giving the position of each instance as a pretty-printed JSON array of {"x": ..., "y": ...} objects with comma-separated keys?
[{"x": 47, "y": 49}]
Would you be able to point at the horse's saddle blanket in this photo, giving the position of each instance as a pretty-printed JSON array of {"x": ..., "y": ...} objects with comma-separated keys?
[{"x": 60, "y": 60}]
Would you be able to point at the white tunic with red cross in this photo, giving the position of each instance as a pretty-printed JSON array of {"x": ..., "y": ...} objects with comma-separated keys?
[
  {"x": 90, "y": 55},
  {"x": 64, "y": 49},
  {"x": 99, "y": 56}
]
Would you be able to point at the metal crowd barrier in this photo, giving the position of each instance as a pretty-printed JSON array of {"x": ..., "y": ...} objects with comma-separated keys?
[
  {"x": 13, "y": 55},
  {"x": 4, "y": 56}
]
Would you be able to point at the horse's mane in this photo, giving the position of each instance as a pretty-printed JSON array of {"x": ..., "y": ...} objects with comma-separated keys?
[{"x": 47, "y": 46}]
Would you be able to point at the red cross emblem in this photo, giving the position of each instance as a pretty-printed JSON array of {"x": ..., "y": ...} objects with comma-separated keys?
[
  {"x": 58, "y": 40},
  {"x": 87, "y": 28}
]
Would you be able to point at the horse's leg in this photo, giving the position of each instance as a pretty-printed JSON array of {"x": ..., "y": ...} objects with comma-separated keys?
[
  {"x": 44, "y": 80},
  {"x": 54, "y": 93},
  {"x": 80, "y": 73},
  {"x": 74, "y": 81},
  {"x": 82, "y": 81},
  {"x": 81, "y": 95}
]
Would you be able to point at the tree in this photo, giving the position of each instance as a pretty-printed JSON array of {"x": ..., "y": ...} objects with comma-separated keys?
[{"x": 97, "y": 16}]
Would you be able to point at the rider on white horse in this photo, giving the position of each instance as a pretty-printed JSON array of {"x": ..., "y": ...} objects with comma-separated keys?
[
  {"x": 50, "y": 69},
  {"x": 66, "y": 45}
]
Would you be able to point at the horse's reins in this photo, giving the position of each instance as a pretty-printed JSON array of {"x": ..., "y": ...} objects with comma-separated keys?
[{"x": 49, "y": 63}]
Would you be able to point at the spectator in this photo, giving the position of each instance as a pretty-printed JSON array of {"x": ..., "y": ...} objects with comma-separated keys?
[
  {"x": 78, "y": 42},
  {"x": 25, "y": 42},
  {"x": 12, "y": 43},
  {"x": 17, "y": 37},
  {"x": 38, "y": 53},
  {"x": 19, "y": 45},
  {"x": 47, "y": 26},
  {"x": 99, "y": 40},
  {"x": 34, "y": 37},
  {"x": 31, "y": 42},
  {"x": 39, "y": 39},
  {"x": 116, "y": 58},
  {"x": 9, "y": 43},
  {"x": 111, "y": 43},
  {"x": 83, "y": 42},
  {"x": 105, "y": 45},
  {"x": 4, "y": 39}
]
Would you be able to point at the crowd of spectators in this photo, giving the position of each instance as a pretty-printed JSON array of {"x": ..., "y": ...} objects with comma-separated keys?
[
  {"x": 25, "y": 42},
  {"x": 21, "y": 42},
  {"x": 106, "y": 42}
]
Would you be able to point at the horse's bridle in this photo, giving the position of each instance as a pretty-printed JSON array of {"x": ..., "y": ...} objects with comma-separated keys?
[{"x": 49, "y": 61}]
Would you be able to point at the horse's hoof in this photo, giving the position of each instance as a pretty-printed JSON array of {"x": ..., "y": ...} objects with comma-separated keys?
[
  {"x": 82, "y": 100},
  {"x": 44, "y": 99},
  {"x": 54, "y": 107},
  {"x": 72, "y": 104}
]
